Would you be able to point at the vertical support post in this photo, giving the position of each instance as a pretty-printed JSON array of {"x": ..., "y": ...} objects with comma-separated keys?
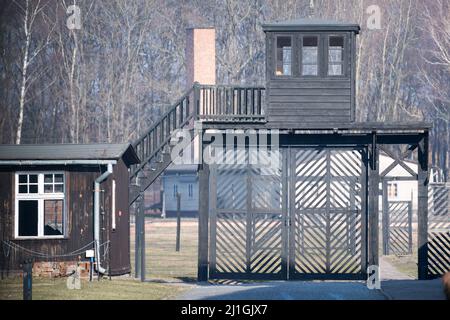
[
  {"x": 410, "y": 226},
  {"x": 250, "y": 220},
  {"x": 27, "y": 280},
  {"x": 142, "y": 235},
  {"x": 328, "y": 213},
  {"x": 137, "y": 242},
  {"x": 177, "y": 243},
  {"x": 422, "y": 207},
  {"x": 91, "y": 268},
  {"x": 364, "y": 206},
  {"x": 385, "y": 221},
  {"x": 351, "y": 220},
  {"x": 203, "y": 212},
  {"x": 288, "y": 258},
  {"x": 374, "y": 181},
  {"x": 212, "y": 219},
  {"x": 196, "y": 105}
]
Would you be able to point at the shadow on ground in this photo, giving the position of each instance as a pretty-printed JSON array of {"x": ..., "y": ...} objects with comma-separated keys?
[
  {"x": 317, "y": 290},
  {"x": 413, "y": 289},
  {"x": 284, "y": 290}
]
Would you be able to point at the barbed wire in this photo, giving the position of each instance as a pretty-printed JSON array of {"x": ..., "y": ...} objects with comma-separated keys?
[{"x": 9, "y": 245}]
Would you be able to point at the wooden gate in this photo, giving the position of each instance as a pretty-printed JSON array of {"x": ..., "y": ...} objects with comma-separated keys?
[
  {"x": 438, "y": 229},
  {"x": 328, "y": 229},
  {"x": 397, "y": 227},
  {"x": 248, "y": 224},
  {"x": 301, "y": 219}
]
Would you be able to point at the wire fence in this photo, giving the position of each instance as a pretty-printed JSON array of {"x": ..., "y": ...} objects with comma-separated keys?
[
  {"x": 163, "y": 261},
  {"x": 47, "y": 264}
]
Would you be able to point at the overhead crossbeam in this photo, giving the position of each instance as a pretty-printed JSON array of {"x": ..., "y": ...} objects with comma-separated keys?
[{"x": 399, "y": 161}]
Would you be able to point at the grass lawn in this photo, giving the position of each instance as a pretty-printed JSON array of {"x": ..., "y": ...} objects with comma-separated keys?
[
  {"x": 120, "y": 289},
  {"x": 163, "y": 262}
]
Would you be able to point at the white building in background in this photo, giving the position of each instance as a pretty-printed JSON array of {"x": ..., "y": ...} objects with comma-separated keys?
[{"x": 404, "y": 190}]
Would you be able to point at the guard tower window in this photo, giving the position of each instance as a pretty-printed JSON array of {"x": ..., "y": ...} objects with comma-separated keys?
[
  {"x": 284, "y": 56},
  {"x": 310, "y": 55},
  {"x": 336, "y": 56}
]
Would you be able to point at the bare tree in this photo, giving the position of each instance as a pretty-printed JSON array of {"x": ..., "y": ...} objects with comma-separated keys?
[
  {"x": 113, "y": 78},
  {"x": 31, "y": 11},
  {"x": 435, "y": 76}
]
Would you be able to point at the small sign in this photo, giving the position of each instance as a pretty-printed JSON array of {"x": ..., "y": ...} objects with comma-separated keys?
[{"x": 90, "y": 253}]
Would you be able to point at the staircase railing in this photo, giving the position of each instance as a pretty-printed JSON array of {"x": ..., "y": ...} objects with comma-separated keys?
[
  {"x": 157, "y": 137},
  {"x": 206, "y": 103},
  {"x": 231, "y": 103}
]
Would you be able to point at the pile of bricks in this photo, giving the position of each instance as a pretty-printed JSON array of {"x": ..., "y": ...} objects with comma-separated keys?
[{"x": 59, "y": 269}]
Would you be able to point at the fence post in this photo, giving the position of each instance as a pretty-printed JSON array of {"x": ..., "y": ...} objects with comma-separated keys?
[
  {"x": 422, "y": 207},
  {"x": 27, "y": 279},
  {"x": 385, "y": 222},
  {"x": 203, "y": 217},
  {"x": 196, "y": 105},
  {"x": 137, "y": 242},
  {"x": 142, "y": 235},
  {"x": 177, "y": 245},
  {"x": 410, "y": 213},
  {"x": 374, "y": 179}
]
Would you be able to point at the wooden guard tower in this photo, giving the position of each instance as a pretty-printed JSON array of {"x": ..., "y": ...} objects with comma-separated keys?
[{"x": 316, "y": 214}]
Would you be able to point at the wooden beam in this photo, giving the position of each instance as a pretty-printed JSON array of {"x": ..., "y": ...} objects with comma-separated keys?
[
  {"x": 142, "y": 235},
  {"x": 177, "y": 242},
  {"x": 203, "y": 215},
  {"x": 374, "y": 179},
  {"x": 137, "y": 244},
  {"x": 364, "y": 208},
  {"x": 422, "y": 207},
  {"x": 385, "y": 221},
  {"x": 212, "y": 219},
  {"x": 399, "y": 161}
]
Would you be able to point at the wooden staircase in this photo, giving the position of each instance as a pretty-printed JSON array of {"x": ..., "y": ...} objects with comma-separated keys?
[
  {"x": 205, "y": 103},
  {"x": 154, "y": 147}
]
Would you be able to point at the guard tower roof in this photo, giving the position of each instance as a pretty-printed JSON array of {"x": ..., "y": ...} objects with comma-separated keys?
[{"x": 310, "y": 25}]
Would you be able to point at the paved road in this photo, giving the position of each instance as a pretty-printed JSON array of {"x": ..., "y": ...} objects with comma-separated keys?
[
  {"x": 318, "y": 290},
  {"x": 284, "y": 290},
  {"x": 395, "y": 285},
  {"x": 413, "y": 289}
]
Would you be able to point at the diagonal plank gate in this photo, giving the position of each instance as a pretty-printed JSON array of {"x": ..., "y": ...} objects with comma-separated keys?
[
  {"x": 397, "y": 227},
  {"x": 438, "y": 229},
  {"x": 301, "y": 219}
]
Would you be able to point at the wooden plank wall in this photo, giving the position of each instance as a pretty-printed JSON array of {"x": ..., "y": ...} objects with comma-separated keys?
[
  {"x": 79, "y": 218},
  {"x": 120, "y": 237}
]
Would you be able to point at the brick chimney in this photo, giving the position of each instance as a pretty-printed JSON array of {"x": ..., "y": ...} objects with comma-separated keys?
[{"x": 201, "y": 55}]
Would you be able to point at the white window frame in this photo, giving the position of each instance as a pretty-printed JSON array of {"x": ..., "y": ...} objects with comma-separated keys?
[
  {"x": 40, "y": 197},
  {"x": 318, "y": 57},
  {"x": 291, "y": 62},
  {"x": 393, "y": 190},
  {"x": 342, "y": 63}
]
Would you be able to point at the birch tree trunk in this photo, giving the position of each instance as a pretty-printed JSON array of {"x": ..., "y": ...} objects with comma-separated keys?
[{"x": 23, "y": 86}]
